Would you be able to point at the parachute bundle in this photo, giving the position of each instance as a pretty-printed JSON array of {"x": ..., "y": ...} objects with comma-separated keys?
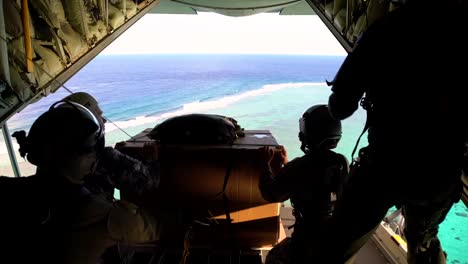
[{"x": 197, "y": 129}]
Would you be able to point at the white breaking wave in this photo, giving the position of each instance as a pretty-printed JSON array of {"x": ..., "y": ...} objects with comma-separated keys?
[
  {"x": 198, "y": 106},
  {"x": 193, "y": 107}
]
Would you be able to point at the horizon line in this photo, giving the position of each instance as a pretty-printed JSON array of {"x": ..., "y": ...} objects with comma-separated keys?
[{"x": 220, "y": 53}]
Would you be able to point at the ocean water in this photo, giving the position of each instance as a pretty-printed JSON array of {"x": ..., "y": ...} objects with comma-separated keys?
[{"x": 259, "y": 91}]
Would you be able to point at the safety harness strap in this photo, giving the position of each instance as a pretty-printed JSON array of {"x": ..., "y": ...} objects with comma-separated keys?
[{"x": 367, "y": 105}]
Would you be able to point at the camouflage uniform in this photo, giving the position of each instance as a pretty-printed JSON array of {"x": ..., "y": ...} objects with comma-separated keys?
[
  {"x": 309, "y": 182},
  {"x": 417, "y": 127},
  {"x": 117, "y": 170}
]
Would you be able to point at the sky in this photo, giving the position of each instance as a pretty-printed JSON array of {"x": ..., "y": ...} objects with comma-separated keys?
[{"x": 214, "y": 33}]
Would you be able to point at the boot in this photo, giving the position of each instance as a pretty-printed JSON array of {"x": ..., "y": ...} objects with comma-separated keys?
[{"x": 430, "y": 253}]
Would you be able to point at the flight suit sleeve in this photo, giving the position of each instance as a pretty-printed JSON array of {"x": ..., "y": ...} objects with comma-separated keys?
[
  {"x": 130, "y": 224},
  {"x": 129, "y": 174},
  {"x": 279, "y": 187},
  {"x": 354, "y": 77}
]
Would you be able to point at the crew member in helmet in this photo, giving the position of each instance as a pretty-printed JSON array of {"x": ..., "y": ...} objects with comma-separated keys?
[
  {"x": 50, "y": 217},
  {"x": 115, "y": 169},
  {"x": 311, "y": 182}
]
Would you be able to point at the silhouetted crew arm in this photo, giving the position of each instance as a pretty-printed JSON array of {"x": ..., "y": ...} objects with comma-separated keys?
[
  {"x": 279, "y": 187},
  {"x": 354, "y": 77},
  {"x": 341, "y": 175},
  {"x": 129, "y": 174}
]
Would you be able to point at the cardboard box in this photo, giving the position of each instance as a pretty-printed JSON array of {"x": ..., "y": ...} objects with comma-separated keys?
[{"x": 216, "y": 181}]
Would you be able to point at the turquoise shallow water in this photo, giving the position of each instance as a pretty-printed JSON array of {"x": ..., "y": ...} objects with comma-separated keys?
[{"x": 279, "y": 111}]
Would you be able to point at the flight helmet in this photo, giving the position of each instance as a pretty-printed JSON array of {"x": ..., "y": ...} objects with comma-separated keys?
[
  {"x": 318, "y": 129},
  {"x": 88, "y": 101},
  {"x": 67, "y": 129}
]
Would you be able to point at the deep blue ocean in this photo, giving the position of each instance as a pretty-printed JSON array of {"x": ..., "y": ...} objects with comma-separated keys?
[{"x": 259, "y": 91}]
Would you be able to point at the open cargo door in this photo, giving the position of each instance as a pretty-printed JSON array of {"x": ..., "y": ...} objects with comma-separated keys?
[
  {"x": 45, "y": 42},
  {"x": 348, "y": 19}
]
